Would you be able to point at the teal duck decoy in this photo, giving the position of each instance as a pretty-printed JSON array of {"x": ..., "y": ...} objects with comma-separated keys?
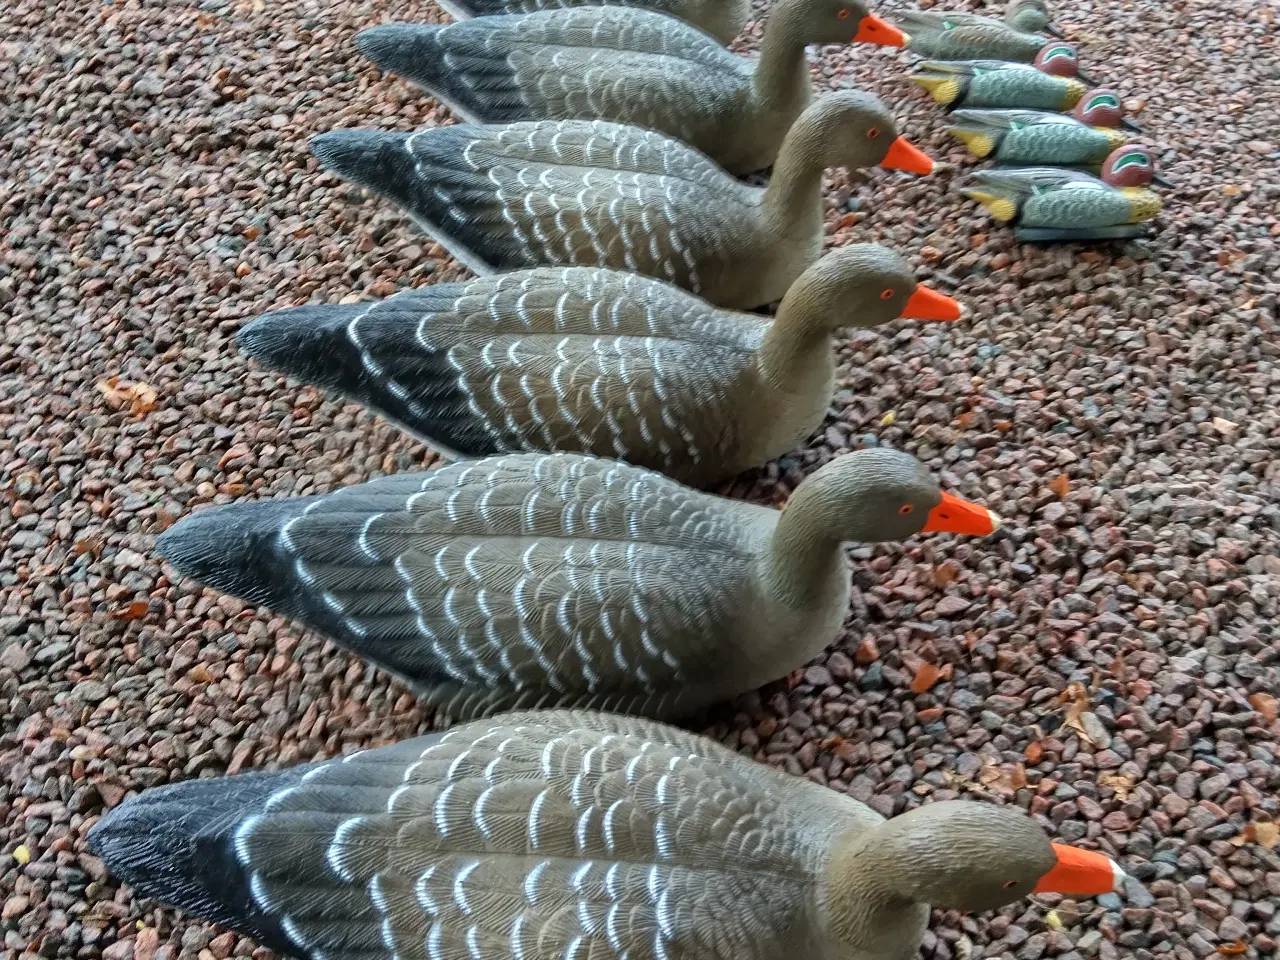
[
  {"x": 1048, "y": 204},
  {"x": 628, "y": 66},
  {"x": 591, "y": 193},
  {"x": 1049, "y": 83},
  {"x": 723, "y": 19},
  {"x": 952, "y": 35},
  {"x": 533, "y": 580},
  {"x": 1032, "y": 137},
  {"x": 568, "y": 835},
  {"x": 597, "y": 361}
]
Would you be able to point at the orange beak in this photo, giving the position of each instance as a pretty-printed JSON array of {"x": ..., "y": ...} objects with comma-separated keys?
[
  {"x": 926, "y": 304},
  {"x": 903, "y": 156},
  {"x": 954, "y": 515},
  {"x": 871, "y": 29},
  {"x": 1081, "y": 873}
]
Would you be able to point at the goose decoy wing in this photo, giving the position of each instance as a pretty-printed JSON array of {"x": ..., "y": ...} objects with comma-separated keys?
[
  {"x": 515, "y": 838},
  {"x": 522, "y": 195},
  {"x": 531, "y": 578},
  {"x": 624, "y": 65},
  {"x": 553, "y": 359}
]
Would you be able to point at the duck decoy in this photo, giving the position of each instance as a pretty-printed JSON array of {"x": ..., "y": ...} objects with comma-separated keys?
[
  {"x": 1048, "y": 83},
  {"x": 1050, "y": 204},
  {"x": 723, "y": 19},
  {"x": 597, "y": 361},
  {"x": 1086, "y": 135},
  {"x": 567, "y": 835},
  {"x": 563, "y": 580},
  {"x": 628, "y": 66},
  {"x": 952, "y": 35},
  {"x": 590, "y": 193}
]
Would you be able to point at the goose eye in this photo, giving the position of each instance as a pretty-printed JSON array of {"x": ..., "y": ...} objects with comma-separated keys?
[
  {"x": 886, "y": 294},
  {"x": 1010, "y": 884},
  {"x": 873, "y": 133},
  {"x": 842, "y": 15},
  {"x": 906, "y": 508}
]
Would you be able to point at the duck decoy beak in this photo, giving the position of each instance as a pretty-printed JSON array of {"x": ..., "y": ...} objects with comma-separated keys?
[
  {"x": 926, "y": 304},
  {"x": 1081, "y": 873},
  {"x": 1130, "y": 125},
  {"x": 1160, "y": 181},
  {"x": 1053, "y": 31},
  {"x": 871, "y": 29},
  {"x": 1085, "y": 78},
  {"x": 954, "y": 515},
  {"x": 903, "y": 155}
]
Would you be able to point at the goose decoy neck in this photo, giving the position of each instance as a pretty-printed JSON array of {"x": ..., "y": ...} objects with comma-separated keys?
[{"x": 955, "y": 854}]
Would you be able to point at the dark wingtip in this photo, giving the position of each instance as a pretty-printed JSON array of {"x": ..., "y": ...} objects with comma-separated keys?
[
  {"x": 356, "y": 155},
  {"x": 392, "y": 45},
  {"x": 299, "y": 341}
]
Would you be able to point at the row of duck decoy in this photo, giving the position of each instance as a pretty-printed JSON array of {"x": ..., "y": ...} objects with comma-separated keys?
[{"x": 594, "y": 190}]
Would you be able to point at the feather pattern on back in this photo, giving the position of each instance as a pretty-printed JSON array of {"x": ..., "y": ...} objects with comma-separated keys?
[{"x": 722, "y": 19}]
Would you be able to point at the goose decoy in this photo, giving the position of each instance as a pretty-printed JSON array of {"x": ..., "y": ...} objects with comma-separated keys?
[
  {"x": 566, "y": 835},
  {"x": 1048, "y": 83},
  {"x": 723, "y": 19},
  {"x": 564, "y": 580},
  {"x": 590, "y": 193},
  {"x": 1048, "y": 204},
  {"x": 597, "y": 361},
  {"x": 952, "y": 35},
  {"x": 1027, "y": 137},
  {"x": 628, "y": 66}
]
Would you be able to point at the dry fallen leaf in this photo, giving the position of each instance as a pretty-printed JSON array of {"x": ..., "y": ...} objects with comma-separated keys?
[
  {"x": 964, "y": 419},
  {"x": 997, "y": 777},
  {"x": 199, "y": 674},
  {"x": 1263, "y": 834},
  {"x": 1233, "y": 949},
  {"x": 22, "y": 854},
  {"x": 133, "y": 611},
  {"x": 926, "y": 676},
  {"x": 888, "y": 418},
  {"x": 1266, "y": 705},
  {"x": 139, "y": 397},
  {"x": 90, "y": 545},
  {"x": 1034, "y": 752},
  {"x": 1231, "y": 190},
  {"x": 944, "y": 574},
  {"x": 1121, "y": 783},
  {"x": 1060, "y": 485},
  {"x": 1053, "y": 921},
  {"x": 1076, "y": 699}
]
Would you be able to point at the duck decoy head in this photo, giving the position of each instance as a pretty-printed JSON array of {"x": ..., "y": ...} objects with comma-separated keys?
[
  {"x": 1100, "y": 108},
  {"x": 1028, "y": 16},
  {"x": 854, "y": 129},
  {"x": 1130, "y": 165},
  {"x": 834, "y": 21},
  {"x": 1059, "y": 59}
]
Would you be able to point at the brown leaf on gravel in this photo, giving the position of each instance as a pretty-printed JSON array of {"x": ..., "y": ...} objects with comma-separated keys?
[
  {"x": 1233, "y": 949},
  {"x": 139, "y": 397},
  {"x": 133, "y": 611},
  {"x": 1121, "y": 783},
  {"x": 1076, "y": 699},
  {"x": 92, "y": 545},
  {"x": 1263, "y": 834},
  {"x": 927, "y": 674},
  {"x": 1003, "y": 777},
  {"x": 1231, "y": 190},
  {"x": 1266, "y": 705},
  {"x": 964, "y": 419},
  {"x": 945, "y": 573},
  {"x": 1034, "y": 752},
  {"x": 1060, "y": 485},
  {"x": 199, "y": 674}
]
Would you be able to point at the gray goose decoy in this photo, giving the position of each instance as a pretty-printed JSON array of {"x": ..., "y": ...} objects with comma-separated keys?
[
  {"x": 570, "y": 835},
  {"x": 597, "y": 361},
  {"x": 561, "y": 580},
  {"x": 953, "y": 35},
  {"x": 590, "y": 193},
  {"x": 628, "y": 66},
  {"x": 723, "y": 19}
]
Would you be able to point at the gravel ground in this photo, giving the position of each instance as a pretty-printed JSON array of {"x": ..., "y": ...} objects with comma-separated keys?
[{"x": 1108, "y": 661}]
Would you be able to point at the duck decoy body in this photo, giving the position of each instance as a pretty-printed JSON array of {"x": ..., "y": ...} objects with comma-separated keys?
[
  {"x": 1048, "y": 204},
  {"x": 952, "y": 35},
  {"x": 1049, "y": 83},
  {"x": 723, "y": 19},
  {"x": 628, "y": 66},
  {"x": 590, "y": 193},
  {"x": 563, "y": 580},
  {"x": 563, "y": 834},
  {"x": 597, "y": 361},
  {"x": 1087, "y": 135}
]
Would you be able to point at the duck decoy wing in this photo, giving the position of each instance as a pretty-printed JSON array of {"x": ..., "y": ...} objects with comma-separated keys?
[
  {"x": 535, "y": 579},
  {"x": 555, "y": 359},
  {"x": 1004, "y": 119},
  {"x": 503, "y": 839},
  {"x": 532, "y": 194},
  {"x": 608, "y": 63}
]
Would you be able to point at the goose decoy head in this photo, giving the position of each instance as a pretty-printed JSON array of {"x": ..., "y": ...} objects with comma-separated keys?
[
  {"x": 1058, "y": 59},
  {"x": 1029, "y": 16},
  {"x": 1131, "y": 165},
  {"x": 959, "y": 855},
  {"x": 1100, "y": 108},
  {"x": 836, "y": 21},
  {"x": 856, "y": 130},
  {"x": 865, "y": 285}
]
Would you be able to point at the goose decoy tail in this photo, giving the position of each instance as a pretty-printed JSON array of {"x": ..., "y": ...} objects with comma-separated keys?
[
  {"x": 372, "y": 159},
  {"x": 407, "y": 49}
]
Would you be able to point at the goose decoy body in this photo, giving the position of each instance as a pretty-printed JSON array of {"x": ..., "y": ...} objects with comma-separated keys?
[
  {"x": 952, "y": 35},
  {"x": 569, "y": 834},
  {"x": 1048, "y": 204},
  {"x": 1027, "y": 137},
  {"x": 628, "y": 66},
  {"x": 1048, "y": 83},
  {"x": 597, "y": 361},
  {"x": 536, "y": 580},
  {"x": 590, "y": 193},
  {"x": 723, "y": 19}
]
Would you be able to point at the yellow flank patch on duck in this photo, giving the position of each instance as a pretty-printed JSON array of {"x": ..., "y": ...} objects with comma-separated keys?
[
  {"x": 1115, "y": 138},
  {"x": 980, "y": 144},
  {"x": 1075, "y": 90},
  {"x": 1002, "y": 208},
  {"x": 944, "y": 90},
  {"x": 1143, "y": 203}
]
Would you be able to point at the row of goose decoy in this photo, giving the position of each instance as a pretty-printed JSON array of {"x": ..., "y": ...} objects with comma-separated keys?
[{"x": 597, "y": 371}]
